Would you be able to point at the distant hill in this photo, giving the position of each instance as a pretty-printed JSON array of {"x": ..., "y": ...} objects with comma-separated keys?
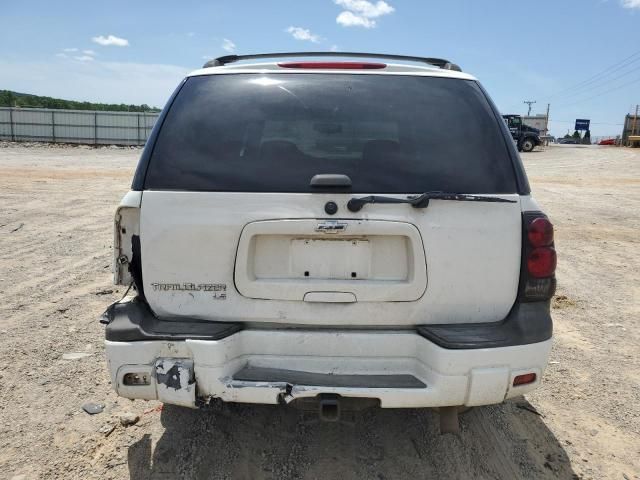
[{"x": 15, "y": 99}]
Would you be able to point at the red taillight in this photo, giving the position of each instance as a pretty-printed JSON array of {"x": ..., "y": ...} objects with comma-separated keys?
[
  {"x": 334, "y": 65},
  {"x": 524, "y": 379},
  {"x": 537, "y": 280},
  {"x": 540, "y": 232},
  {"x": 542, "y": 262}
]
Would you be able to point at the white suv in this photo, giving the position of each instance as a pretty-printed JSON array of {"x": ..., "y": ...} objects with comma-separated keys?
[{"x": 331, "y": 231}]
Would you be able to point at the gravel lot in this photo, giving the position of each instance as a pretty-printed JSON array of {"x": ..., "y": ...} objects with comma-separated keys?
[{"x": 56, "y": 206}]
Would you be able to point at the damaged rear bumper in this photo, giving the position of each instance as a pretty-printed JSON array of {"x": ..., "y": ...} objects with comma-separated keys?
[{"x": 401, "y": 368}]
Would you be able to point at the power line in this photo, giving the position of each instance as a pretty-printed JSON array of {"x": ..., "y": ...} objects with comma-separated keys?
[
  {"x": 595, "y": 87},
  {"x": 601, "y": 93},
  {"x": 613, "y": 68},
  {"x": 591, "y": 123},
  {"x": 590, "y": 83}
]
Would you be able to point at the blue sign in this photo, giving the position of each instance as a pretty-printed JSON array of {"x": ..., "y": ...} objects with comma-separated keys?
[{"x": 582, "y": 124}]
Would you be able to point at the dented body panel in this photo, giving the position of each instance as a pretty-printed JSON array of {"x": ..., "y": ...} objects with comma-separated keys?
[
  {"x": 175, "y": 381},
  {"x": 126, "y": 227},
  {"x": 450, "y": 377}
]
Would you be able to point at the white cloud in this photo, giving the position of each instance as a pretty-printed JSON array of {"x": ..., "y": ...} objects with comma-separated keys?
[
  {"x": 366, "y": 8},
  {"x": 300, "y": 33},
  {"x": 110, "y": 40},
  {"x": 361, "y": 13},
  {"x": 334, "y": 48},
  {"x": 631, "y": 3},
  {"x": 350, "y": 19},
  {"x": 97, "y": 81},
  {"x": 86, "y": 56},
  {"x": 228, "y": 45}
]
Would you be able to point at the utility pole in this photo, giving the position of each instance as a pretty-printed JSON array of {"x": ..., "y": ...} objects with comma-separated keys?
[
  {"x": 546, "y": 125},
  {"x": 546, "y": 121},
  {"x": 529, "y": 102}
]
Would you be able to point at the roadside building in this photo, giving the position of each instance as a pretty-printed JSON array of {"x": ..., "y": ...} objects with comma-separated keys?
[
  {"x": 536, "y": 121},
  {"x": 631, "y": 129},
  {"x": 540, "y": 122}
]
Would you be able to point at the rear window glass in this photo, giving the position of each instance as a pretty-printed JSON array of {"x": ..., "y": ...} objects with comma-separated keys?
[{"x": 274, "y": 132}]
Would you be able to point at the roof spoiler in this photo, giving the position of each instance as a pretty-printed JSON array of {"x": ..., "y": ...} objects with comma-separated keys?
[{"x": 436, "y": 62}]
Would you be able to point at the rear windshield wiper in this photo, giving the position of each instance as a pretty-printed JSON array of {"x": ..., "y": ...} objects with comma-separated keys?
[{"x": 421, "y": 201}]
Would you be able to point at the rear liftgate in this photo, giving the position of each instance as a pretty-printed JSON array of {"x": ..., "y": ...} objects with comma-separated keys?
[{"x": 333, "y": 261}]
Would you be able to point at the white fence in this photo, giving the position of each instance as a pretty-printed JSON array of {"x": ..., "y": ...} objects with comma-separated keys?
[{"x": 75, "y": 126}]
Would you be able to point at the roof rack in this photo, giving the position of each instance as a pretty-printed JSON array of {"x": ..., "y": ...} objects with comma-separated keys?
[{"x": 436, "y": 62}]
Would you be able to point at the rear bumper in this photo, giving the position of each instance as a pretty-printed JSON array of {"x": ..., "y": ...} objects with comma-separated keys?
[
  {"x": 400, "y": 369},
  {"x": 183, "y": 362}
]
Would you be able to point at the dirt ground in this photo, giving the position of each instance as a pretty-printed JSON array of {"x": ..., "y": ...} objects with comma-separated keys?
[{"x": 56, "y": 207}]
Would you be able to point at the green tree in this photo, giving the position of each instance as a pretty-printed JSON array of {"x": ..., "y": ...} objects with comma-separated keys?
[
  {"x": 8, "y": 98},
  {"x": 14, "y": 99},
  {"x": 576, "y": 134}
]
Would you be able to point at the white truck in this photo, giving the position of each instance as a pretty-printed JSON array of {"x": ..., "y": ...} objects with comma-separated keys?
[{"x": 318, "y": 231}]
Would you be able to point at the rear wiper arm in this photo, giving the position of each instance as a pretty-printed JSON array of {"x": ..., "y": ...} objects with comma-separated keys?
[{"x": 422, "y": 201}]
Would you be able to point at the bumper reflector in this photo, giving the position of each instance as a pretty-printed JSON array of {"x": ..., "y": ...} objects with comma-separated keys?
[
  {"x": 136, "y": 379},
  {"x": 524, "y": 379}
]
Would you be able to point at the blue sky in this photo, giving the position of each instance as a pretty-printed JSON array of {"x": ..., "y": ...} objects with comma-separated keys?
[{"x": 137, "y": 51}]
